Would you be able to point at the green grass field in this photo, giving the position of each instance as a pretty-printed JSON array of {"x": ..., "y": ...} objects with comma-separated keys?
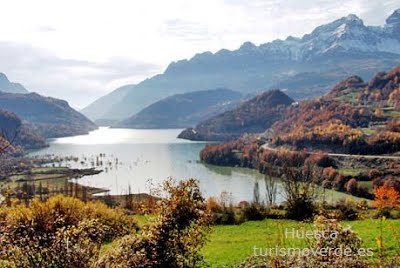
[
  {"x": 228, "y": 246},
  {"x": 351, "y": 171}
]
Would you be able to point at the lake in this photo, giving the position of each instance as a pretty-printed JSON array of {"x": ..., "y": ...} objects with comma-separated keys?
[
  {"x": 141, "y": 158},
  {"x": 138, "y": 158}
]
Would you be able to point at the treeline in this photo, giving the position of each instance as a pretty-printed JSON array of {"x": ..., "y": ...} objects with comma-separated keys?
[
  {"x": 249, "y": 153},
  {"x": 338, "y": 137},
  {"x": 242, "y": 152}
]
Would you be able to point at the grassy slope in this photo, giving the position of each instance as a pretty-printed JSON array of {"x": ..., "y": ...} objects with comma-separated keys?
[{"x": 230, "y": 245}]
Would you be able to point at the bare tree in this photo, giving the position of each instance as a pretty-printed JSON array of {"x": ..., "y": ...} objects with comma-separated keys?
[
  {"x": 300, "y": 190},
  {"x": 270, "y": 186},
  {"x": 256, "y": 193}
]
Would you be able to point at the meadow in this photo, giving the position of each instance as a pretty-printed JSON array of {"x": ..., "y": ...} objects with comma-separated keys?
[{"x": 229, "y": 245}]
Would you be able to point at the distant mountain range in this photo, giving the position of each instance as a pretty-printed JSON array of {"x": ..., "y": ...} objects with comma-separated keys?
[
  {"x": 34, "y": 117},
  {"x": 252, "y": 116},
  {"x": 96, "y": 110},
  {"x": 302, "y": 67},
  {"x": 47, "y": 116},
  {"x": 7, "y": 86},
  {"x": 183, "y": 110}
]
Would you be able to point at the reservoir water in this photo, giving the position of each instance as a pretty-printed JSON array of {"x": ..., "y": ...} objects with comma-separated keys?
[{"x": 138, "y": 158}]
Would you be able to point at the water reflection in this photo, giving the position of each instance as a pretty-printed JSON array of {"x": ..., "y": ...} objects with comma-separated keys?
[{"x": 130, "y": 158}]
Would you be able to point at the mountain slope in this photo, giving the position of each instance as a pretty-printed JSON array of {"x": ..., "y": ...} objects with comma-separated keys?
[
  {"x": 335, "y": 51},
  {"x": 14, "y": 133},
  {"x": 7, "y": 86},
  {"x": 253, "y": 116},
  {"x": 355, "y": 117},
  {"x": 48, "y": 116},
  {"x": 98, "y": 109},
  {"x": 183, "y": 110}
]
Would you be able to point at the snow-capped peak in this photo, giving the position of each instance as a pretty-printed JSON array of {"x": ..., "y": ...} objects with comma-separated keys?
[
  {"x": 346, "y": 35},
  {"x": 353, "y": 18},
  {"x": 394, "y": 19}
]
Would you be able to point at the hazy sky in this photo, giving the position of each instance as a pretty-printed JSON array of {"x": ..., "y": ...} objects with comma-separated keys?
[{"x": 81, "y": 50}]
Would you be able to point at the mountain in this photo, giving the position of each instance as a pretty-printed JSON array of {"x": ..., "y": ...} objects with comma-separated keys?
[
  {"x": 252, "y": 116},
  {"x": 7, "y": 86},
  {"x": 329, "y": 53},
  {"x": 183, "y": 110},
  {"x": 17, "y": 134},
  {"x": 47, "y": 116},
  {"x": 355, "y": 117},
  {"x": 99, "y": 108}
]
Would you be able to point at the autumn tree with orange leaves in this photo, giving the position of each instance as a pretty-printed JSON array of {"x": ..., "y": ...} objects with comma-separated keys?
[{"x": 386, "y": 197}]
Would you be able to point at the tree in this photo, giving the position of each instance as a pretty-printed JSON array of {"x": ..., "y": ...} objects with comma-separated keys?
[
  {"x": 386, "y": 197},
  {"x": 270, "y": 186},
  {"x": 174, "y": 239},
  {"x": 351, "y": 186},
  {"x": 299, "y": 189}
]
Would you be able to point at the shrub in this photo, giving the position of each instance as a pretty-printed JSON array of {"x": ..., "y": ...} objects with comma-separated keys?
[
  {"x": 301, "y": 208},
  {"x": 373, "y": 173},
  {"x": 255, "y": 212},
  {"x": 346, "y": 211},
  {"x": 173, "y": 240},
  {"x": 213, "y": 205},
  {"x": 299, "y": 189},
  {"x": 60, "y": 232},
  {"x": 225, "y": 216},
  {"x": 351, "y": 186}
]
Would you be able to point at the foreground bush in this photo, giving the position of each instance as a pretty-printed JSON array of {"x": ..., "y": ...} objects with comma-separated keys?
[
  {"x": 173, "y": 240},
  {"x": 60, "y": 232}
]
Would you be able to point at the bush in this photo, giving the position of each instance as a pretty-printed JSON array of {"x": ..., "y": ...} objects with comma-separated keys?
[
  {"x": 60, "y": 232},
  {"x": 255, "y": 212},
  {"x": 301, "y": 209},
  {"x": 384, "y": 212},
  {"x": 173, "y": 240},
  {"x": 299, "y": 189},
  {"x": 225, "y": 216},
  {"x": 346, "y": 211},
  {"x": 352, "y": 186}
]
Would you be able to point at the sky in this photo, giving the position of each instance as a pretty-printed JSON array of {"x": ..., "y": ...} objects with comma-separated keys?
[{"x": 82, "y": 50}]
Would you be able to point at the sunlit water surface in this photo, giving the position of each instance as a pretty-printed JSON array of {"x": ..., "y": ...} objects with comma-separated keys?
[{"x": 134, "y": 158}]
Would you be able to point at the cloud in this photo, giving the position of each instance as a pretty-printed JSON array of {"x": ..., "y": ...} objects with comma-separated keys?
[
  {"x": 77, "y": 81},
  {"x": 269, "y": 19},
  {"x": 45, "y": 29},
  {"x": 78, "y": 53},
  {"x": 187, "y": 30}
]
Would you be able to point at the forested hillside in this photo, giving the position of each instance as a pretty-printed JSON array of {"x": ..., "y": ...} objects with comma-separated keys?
[
  {"x": 253, "y": 116},
  {"x": 49, "y": 117}
]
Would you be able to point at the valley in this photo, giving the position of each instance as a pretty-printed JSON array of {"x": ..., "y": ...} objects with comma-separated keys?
[{"x": 206, "y": 161}]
